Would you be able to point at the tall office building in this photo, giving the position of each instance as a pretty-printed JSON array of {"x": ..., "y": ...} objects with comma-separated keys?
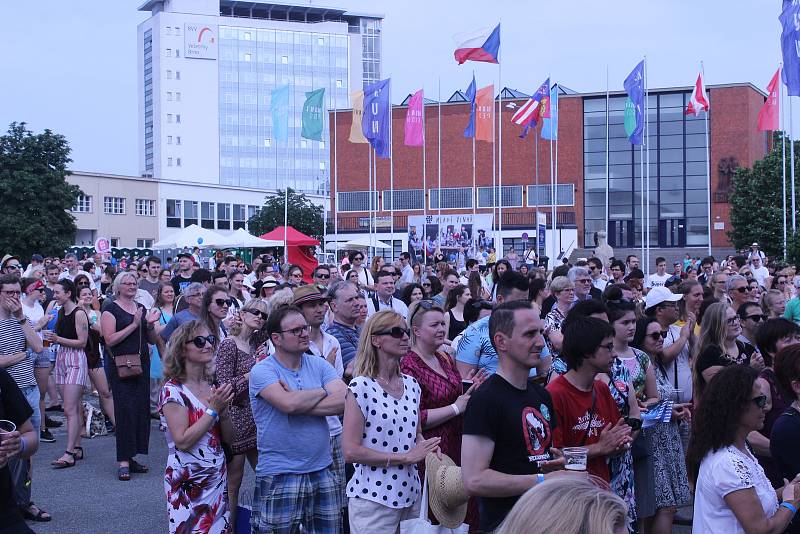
[{"x": 206, "y": 72}]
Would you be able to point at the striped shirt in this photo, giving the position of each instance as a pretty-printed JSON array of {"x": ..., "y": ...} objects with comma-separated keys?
[{"x": 12, "y": 341}]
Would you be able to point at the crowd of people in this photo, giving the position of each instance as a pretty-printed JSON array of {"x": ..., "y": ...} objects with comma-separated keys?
[{"x": 493, "y": 396}]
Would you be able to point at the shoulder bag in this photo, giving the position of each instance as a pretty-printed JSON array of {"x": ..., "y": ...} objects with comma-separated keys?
[{"x": 129, "y": 365}]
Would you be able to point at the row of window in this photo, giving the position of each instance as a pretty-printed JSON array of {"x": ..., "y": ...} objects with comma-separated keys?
[
  {"x": 177, "y": 74},
  {"x": 177, "y": 96},
  {"x": 116, "y": 206},
  {"x": 168, "y": 52},
  {"x": 172, "y": 30},
  {"x": 211, "y": 215},
  {"x": 511, "y": 196}
]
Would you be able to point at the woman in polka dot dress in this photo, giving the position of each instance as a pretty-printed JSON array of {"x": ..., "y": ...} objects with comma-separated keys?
[{"x": 382, "y": 431}]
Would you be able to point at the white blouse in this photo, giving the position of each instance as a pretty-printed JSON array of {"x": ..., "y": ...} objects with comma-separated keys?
[
  {"x": 723, "y": 472},
  {"x": 390, "y": 425}
]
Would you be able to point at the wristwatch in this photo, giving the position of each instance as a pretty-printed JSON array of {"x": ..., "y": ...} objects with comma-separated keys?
[{"x": 23, "y": 320}]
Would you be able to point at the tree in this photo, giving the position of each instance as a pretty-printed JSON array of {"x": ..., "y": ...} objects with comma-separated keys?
[
  {"x": 37, "y": 199},
  {"x": 303, "y": 215},
  {"x": 757, "y": 204}
]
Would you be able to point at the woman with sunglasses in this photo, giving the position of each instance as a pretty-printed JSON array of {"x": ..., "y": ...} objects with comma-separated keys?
[
  {"x": 195, "y": 480},
  {"x": 454, "y": 308},
  {"x": 667, "y": 470},
  {"x": 385, "y": 488},
  {"x": 127, "y": 329},
  {"x": 443, "y": 397},
  {"x": 97, "y": 375},
  {"x": 165, "y": 304},
  {"x": 81, "y": 281},
  {"x": 732, "y": 493},
  {"x": 235, "y": 357},
  {"x": 214, "y": 312}
]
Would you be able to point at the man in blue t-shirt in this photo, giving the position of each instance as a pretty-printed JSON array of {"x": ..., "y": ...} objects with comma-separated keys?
[{"x": 290, "y": 394}]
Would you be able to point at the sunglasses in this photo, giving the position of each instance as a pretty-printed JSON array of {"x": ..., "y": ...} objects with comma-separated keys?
[
  {"x": 200, "y": 341},
  {"x": 421, "y": 305},
  {"x": 426, "y": 284},
  {"x": 744, "y": 289},
  {"x": 323, "y": 276},
  {"x": 757, "y": 318},
  {"x": 759, "y": 401},
  {"x": 13, "y": 266},
  {"x": 655, "y": 336},
  {"x": 223, "y": 302},
  {"x": 396, "y": 332},
  {"x": 257, "y": 313}
]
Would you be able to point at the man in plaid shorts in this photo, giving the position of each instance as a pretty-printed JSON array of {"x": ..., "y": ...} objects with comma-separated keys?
[{"x": 291, "y": 392}]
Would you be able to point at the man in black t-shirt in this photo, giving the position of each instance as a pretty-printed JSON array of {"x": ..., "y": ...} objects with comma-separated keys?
[
  {"x": 14, "y": 408},
  {"x": 509, "y": 421},
  {"x": 184, "y": 276}
]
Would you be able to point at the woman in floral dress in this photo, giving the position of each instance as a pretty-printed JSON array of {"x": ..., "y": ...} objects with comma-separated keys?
[{"x": 195, "y": 480}]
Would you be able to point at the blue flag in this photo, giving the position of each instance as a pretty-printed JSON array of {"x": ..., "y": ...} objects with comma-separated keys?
[
  {"x": 376, "y": 121},
  {"x": 790, "y": 46},
  {"x": 469, "y": 131},
  {"x": 634, "y": 106},
  {"x": 279, "y": 108},
  {"x": 550, "y": 118}
]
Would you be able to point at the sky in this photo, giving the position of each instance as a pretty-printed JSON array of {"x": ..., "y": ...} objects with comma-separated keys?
[{"x": 70, "y": 65}]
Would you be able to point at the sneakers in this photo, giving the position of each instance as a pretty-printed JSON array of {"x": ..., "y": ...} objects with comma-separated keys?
[
  {"x": 46, "y": 436},
  {"x": 52, "y": 423},
  {"x": 109, "y": 427}
]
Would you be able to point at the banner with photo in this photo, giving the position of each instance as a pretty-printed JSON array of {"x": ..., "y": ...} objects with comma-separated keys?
[{"x": 452, "y": 234}]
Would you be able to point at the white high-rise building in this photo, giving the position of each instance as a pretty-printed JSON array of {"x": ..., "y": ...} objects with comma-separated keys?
[{"x": 206, "y": 72}]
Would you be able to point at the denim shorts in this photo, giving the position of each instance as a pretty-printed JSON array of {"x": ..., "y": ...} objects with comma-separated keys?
[{"x": 42, "y": 360}]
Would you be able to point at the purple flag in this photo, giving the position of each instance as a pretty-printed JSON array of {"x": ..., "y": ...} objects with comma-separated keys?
[
  {"x": 415, "y": 134},
  {"x": 376, "y": 121}
]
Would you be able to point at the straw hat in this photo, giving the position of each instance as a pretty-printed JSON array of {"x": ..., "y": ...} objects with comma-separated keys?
[{"x": 447, "y": 497}]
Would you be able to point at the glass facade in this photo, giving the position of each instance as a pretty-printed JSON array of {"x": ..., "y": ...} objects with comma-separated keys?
[
  {"x": 148, "y": 100},
  {"x": 678, "y": 191},
  {"x": 253, "y": 62},
  {"x": 371, "y": 49}
]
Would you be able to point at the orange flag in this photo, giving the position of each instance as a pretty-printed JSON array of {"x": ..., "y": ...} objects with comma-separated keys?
[{"x": 484, "y": 114}]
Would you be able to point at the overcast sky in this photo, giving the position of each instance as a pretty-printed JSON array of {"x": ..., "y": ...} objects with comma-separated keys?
[{"x": 70, "y": 65}]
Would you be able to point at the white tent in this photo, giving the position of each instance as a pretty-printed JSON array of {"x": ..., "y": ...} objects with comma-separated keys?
[
  {"x": 241, "y": 238},
  {"x": 363, "y": 242},
  {"x": 191, "y": 236}
]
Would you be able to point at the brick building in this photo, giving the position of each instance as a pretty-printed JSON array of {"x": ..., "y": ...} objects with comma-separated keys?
[{"x": 677, "y": 155}]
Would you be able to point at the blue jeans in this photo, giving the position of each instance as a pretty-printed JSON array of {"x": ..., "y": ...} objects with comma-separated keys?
[{"x": 21, "y": 468}]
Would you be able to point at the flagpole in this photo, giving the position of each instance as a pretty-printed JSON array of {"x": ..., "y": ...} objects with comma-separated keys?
[
  {"x": 552, "y": 178},
  {"x": 783, "y": 157},
  {"x": 439, "y": 151},
  {"x": 791, "y": 168},
  {"x": 494, "y": 175},
  {"x": 536, "y": 183},
  {"x": 391, "y": 170},
  {"x": 370, "y": 189},
  {"x": 286, "y": 191},
  {"x": 647, "y": 163},
  {"x": 608, "y": 176},
  {"x": 555, "y": 179},
  {"x": 335, "y": 185},
  {"x": 708, "y": 159},
  {"x": 499, "y": 249},
  {"x": 424, "y": 177}
]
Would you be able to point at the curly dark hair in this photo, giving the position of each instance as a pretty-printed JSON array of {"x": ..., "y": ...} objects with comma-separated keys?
[
  {"x": 405, "y": 294},
  {"x": 716, "y": 418}
]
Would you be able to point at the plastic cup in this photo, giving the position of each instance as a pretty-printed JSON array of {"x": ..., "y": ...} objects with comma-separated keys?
[
  {"x": 6, "y": 427},
  {"x": 575, "y": 458},
  {"x": 677, "y": 395},
  {"x": 45, "y": 338}
]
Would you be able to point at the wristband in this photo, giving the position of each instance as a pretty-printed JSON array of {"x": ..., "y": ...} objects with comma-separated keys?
[
  {"x": 214, "y": 415},
  {"x": 539, "y": 478},
  {"x": 789, "y": 506},
  {"x": 455, "y": 409}
]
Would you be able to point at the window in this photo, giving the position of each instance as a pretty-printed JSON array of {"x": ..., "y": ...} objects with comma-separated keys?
[
  {"x": 322, "y": 165},
  {"x": 511, "y": 196},
  {"x": 285, "y": 59},
  {"x": 223, "y": 216},
  {"x": 356, "y": 201},
  {"x": 339, "y": 84},
  {"x": 247, "y": 58},
  {"x": 168, "y": 52},
  {"x": 177, "y": 97},
  {"x": 145, "y": 207},
  {"x": 178, "y": 140},
  {"x": 452, "y": 198},
  {"x": 178, "y": 118},
  {"x": 169, "y": 96},
  {"x": 320, "y": 40},
  {"x": 173, "y": 213},
  {"x": 207, "y": 215},
  {"x": 177, "y": 75},
  {"x": 177, "y": 53},
  {"x": 114, "y": 205},
  {"x": 169, "y": 118},
  {"x": 114, "y": 241},
  {"x": 322, "y": 145},
  {"x": 247, "y": 36},
  {"x": 144, "y": 242},
  {"x": 169, "y": 162},
  {"x": 177, "y": 30},
  {"x": 267, "y": 143},
  {"x": 83, "y": 204},
  {"x": 565, "y": 195},
  {"x": 404, "y": 199},
  {"x": 169, "y": 74},
  {"x": 303, "y": 143},
  {"x": 177, "y": 162},
  {"x": 239, "y": 216},
  {"x": 168, "y": 30},
  {"x": 189, "y": 212},
  {"x": 169, "y": 139}
]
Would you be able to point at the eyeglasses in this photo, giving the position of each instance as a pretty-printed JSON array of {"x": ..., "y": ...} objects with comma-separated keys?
[
  {"x": 323, "y": 276},
  {"x": 584, "y": 281},
  {"x": 743, "y": 289},
  {"x": 358, "y": 258},
  {"x": 11, "y": 293},
  {"x": 396, "y": 332},
  {"x": 223, "y": 302},
  {"x": 422, "y": 304},
  {"x": 655, "y": 336},
  {"x": 733, "y": 320},
  {"x": 297, "y": 331},
  {"x": 757, "y": 318},
  {"x": 257, "y": 313},
  {"x": 200, "y": 341},
  {"x": 759, "y": 401}
]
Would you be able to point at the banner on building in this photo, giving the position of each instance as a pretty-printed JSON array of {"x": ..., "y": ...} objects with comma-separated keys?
[{"x": 464, "y": 234}]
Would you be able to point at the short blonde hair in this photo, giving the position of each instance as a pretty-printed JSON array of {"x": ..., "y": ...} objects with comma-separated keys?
[
  {"x": 415, "y": 314},
  {"x": 174, "y": 361},
  {"x": 252, "y": 304},
  {"x": 566, "y": 505},
  {"x": 366, "y": 360},
  {"x": 560, "y": 283},
  {"x": 115, "y": 286}
]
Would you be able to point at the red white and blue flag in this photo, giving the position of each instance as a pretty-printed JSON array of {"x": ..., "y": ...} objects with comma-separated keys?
[
  {"x": 530, "y": 112},
  {"x": 482, "y": 45},
  {"x": 698, "y": 101}
]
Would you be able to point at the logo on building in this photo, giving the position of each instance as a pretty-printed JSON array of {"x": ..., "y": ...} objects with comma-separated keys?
[{"x": 200, "y": 41}]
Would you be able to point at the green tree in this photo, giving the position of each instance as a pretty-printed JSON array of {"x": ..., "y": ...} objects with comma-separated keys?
[
  {"x": 303, "y": 215},
  {"x": 36, "y": 197},
  {"x": 756, "y": 201}
]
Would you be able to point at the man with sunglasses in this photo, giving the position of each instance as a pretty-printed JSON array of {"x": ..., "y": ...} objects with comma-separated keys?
[
  {"x": 321, "y": 276},
  {"x": 662, "y": 305},
  {"x": 74, "y": 269},
  {"x": 291, "y": 394},
  {"x": 193, "y": 296},
  {"x": 738, "y": 290},
  {"x": 760, "y": 273},
  {"x": 751, "y": 317},
  {"x": 407, "y": 273},
  {"x": 11, "y": 265}
]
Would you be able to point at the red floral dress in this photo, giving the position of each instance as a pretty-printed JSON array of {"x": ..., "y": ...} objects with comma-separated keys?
[{"x": 195, "y": 481}]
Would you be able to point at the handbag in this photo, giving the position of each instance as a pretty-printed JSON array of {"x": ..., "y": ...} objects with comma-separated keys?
[
  {"x": 94, "y": 422},
  {"x": 128, "y": 365},
  {"x": 421, "y": 524}
]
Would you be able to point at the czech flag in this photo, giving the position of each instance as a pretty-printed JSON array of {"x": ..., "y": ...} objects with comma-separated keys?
[{"x": 481, "y": 45}]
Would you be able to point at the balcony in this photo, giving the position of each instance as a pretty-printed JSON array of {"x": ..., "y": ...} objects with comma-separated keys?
[{"x": 511, "y": 219}]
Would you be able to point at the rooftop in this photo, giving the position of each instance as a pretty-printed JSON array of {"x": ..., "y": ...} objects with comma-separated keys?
[{"x": 285, "y": 11}]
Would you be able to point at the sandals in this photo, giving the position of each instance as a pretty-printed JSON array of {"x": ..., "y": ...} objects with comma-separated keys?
[
  {"x": 63, "y": 464},
  {"x": 40, "y": 516},
  {"x": 136, "y": 467},
  {"x": 124, "y": 474},
  {"x": 79, "y": 450}
]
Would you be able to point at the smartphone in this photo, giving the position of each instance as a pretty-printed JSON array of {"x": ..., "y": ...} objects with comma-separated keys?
[{"x": 465, "y": 385}]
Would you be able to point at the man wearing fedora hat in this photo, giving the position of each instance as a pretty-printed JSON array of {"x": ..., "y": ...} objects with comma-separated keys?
[
  {"x": 10, "y": 265},
  {"x": 509, "y": 421}
]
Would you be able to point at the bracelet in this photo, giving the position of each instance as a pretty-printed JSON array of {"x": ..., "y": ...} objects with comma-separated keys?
[
  {"x": 455, "y": 409},
  {"x": 789, "y": 506},
  {"x": 214, "y": 415},
  {"x": 539, "y": 478},
  {"x": 388, "y": 459}
]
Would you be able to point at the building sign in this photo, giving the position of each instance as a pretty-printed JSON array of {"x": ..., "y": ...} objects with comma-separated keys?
[
  {"x": 449, "y": 234},
  {"x": 200, "y": 41}
]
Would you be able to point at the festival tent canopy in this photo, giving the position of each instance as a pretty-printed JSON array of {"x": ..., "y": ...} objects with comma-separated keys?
[
  {"x": 359, "y": 243},
  {"x": 191, "y": 236},
  {"x": 294, "y": 237},
  {"x": 241, "y": 238}
]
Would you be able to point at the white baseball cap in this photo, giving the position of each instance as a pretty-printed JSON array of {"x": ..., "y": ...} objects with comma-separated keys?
[{"x": 658, "y": 295}]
